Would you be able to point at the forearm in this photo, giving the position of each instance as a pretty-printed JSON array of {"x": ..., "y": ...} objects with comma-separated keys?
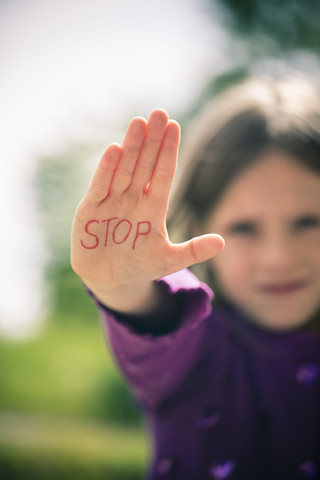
[{"x": 156, "y": 352}]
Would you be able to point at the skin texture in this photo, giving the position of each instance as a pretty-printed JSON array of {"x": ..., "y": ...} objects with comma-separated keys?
[
  {"x": 270, "y": 220},
  {"x": 118, "y": 259}
]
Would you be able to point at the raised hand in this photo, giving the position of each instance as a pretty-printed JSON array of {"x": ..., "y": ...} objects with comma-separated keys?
[{"x": 119, "y": 235}]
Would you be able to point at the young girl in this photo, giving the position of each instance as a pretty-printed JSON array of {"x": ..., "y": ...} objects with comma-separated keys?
[{"x": 232, "y": 389}]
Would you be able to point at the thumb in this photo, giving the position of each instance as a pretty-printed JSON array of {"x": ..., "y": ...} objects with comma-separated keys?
[{"x": 198, "y": 249}]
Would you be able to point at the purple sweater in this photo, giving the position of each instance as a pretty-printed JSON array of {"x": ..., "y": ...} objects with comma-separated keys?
[{"x": 223, "y": 398}]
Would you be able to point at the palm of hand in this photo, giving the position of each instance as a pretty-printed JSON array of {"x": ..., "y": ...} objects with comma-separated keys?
[{"x": 119, "y": 235}]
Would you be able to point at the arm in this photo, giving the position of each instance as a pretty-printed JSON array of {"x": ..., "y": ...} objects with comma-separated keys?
[
  {"x": 156, "y": 366},
  {"x": 119, "y": 238}
]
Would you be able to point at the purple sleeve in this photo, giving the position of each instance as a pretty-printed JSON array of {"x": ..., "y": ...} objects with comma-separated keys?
[{"x": 155, "y": 365}]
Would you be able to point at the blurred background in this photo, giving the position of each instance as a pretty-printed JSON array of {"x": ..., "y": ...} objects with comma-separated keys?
[{"x": 73, "y": 73}]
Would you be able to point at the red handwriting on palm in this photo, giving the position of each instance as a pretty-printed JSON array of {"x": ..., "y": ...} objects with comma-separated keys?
[{"x": 115, "y": 237}]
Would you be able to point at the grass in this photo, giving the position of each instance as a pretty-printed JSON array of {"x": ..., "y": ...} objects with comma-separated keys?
[
  {"x": 39, "y": 447},
  {"x": 65, "y": 412},
  {"x": 66, "y": 370}
]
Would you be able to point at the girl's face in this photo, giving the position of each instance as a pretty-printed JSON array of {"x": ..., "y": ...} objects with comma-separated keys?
[{"x": 270, "y": 220}]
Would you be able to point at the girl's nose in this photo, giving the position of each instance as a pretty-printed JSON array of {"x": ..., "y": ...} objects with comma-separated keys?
[{"x": 278, "y": 253}]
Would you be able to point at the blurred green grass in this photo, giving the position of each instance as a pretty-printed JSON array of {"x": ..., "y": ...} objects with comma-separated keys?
[{"x": 65, "y": 411}]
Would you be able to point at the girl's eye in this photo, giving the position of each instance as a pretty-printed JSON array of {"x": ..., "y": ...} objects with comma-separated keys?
[
  {"x": 307, "y": 222},
  {"x": 244, "y": 228}
]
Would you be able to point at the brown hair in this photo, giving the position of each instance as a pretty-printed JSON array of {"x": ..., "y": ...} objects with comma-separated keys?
[{"x": 232, "y": 132}]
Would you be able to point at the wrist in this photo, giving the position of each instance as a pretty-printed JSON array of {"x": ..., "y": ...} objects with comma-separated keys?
[{"x": 135, "y": 299}]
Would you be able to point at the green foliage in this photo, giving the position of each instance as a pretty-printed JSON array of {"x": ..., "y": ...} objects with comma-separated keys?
[
  {"x": 215, "y": 86},
  {"x": 65, "y": 411},
  {"x": 59, "y": 184},
  {"x": 275, "y": 25},
  {"x": 44, "y": 448},
  {"x": 66, "y": 372}
]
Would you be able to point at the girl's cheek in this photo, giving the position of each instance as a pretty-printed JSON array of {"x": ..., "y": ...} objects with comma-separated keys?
[
  {"x": 230, "y": 266},
  {"x": 310, "y": 239}
]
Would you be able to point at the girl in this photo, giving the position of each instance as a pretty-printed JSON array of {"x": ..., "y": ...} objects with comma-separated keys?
[{"x": 232, "y": 389}]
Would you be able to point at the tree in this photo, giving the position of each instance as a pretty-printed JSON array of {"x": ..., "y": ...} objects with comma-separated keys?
[{"x": 59, "y": 183}]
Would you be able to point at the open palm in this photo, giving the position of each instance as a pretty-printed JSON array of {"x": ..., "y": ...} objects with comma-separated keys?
[{"x": 119, "y": 234}]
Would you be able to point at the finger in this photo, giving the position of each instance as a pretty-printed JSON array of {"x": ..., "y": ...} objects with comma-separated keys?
[
  {"x": 197, "y": 250},
  {"x": 162, "y": 177},
  {"x": 156, "y": 128},
  {"x": 131, "y": 147},
  {"x": 102, "y": 177}
]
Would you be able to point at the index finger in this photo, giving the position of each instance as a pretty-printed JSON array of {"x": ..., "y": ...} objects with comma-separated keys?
[{"x": 100, "y": 183}]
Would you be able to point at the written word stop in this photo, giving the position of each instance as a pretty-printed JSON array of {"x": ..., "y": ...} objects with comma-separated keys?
[{"x": 113, "y": 231}]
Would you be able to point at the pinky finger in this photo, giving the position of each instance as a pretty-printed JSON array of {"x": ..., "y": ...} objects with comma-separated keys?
[{"x": 100, "y": 184}]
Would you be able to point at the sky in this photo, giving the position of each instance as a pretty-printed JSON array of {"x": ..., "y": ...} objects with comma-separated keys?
[{"x": 76, "y": 70}]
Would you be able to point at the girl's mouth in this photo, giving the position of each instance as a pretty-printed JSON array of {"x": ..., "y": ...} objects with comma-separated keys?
[{"x": 283, "y": 288}]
